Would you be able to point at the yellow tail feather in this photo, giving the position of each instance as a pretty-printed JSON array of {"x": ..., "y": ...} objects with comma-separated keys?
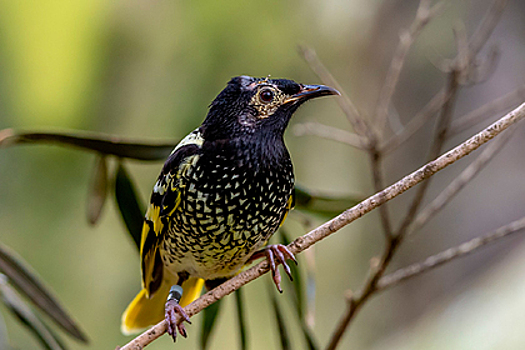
[{"x": 143, "y": 312}]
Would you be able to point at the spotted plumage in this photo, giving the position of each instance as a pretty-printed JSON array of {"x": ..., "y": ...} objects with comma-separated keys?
[{"x": 222, "y": 193}]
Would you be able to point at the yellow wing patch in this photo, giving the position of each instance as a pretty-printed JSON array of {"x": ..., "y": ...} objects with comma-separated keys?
[
  {"x": 149, "y": 250},
  {"x": 165, "y": 200},
  {"x": 289, "y": 206}
]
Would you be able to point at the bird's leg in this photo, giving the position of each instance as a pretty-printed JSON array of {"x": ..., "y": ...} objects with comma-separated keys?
[
  {"x": 275, "y": 252},
  {"x": 172, "y": 308}
]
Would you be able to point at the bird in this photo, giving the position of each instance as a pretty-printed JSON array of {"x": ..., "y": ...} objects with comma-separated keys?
[{"x": 222, "y": 193}]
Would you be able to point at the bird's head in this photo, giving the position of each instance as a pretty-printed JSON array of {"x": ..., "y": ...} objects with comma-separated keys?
[{"x": 250, "y": 106}]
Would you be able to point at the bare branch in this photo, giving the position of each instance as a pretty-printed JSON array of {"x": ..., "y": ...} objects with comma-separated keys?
[
  {"x": 330, "y": 133},
  {"x": 355, "y": 118},
  {"x": 420, "y": 119},
  {"x": 407, "y": 37},
  {"x": 459, "y": 182},
  {"x": 489, "y": 22},
  {"x": 449, "y": 255},
  {"x": 463, "y": 69},
  {"x": 378, "y": 181},
  {"x": 489, "y": 109},
  {"x": 439, "y": 140},
  {"x": 477, "y": 42},
  {"x": 356, "y": 302},
  {"x": 484, "y": 67},
  {"x": 304, "y": 242}
]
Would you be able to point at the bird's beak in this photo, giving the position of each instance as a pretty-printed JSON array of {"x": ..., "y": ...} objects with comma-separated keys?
[{"x": 308, "y": 92}]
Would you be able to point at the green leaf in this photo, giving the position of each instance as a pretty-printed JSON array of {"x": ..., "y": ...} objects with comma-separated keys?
[
  {"x": 101, "y": 143},
  {"x": 279, "y": 321},
  {"x": 24, "y": 313},
  {"x": 239, "y": 307},
  {"x": 97, "y": 190},
  {"x": 297, "y": 295},
  {"x": 208, "y": 322},
  {"x": 4, "y": 338},
  {"x": 310, "y": 341},
  {"x": 129, "y": 204},
  {"x": 29, "y": 285},
  {"x": 323, "y": 204}
]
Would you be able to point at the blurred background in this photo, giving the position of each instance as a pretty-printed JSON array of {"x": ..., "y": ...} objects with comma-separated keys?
[{"x": 147, "y": 70}]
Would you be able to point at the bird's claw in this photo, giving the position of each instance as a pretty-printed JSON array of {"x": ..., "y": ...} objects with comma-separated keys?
[
  {"x": 172, "y": 308},
  {"x": 276, "y": 254}
]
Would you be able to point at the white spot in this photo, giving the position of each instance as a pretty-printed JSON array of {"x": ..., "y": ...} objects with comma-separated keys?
[{"x": 193, "y": 138}]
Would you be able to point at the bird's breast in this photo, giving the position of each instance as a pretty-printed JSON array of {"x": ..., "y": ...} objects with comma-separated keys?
[{"x": 229, "y": 208}]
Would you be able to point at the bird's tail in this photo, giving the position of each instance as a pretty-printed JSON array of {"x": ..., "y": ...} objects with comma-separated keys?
[{"x": 143, "y": 312}]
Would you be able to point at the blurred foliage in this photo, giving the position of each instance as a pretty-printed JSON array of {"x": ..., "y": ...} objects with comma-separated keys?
[
  {"x": 239, "y": 306},
  {"x": 129, "y": 205},
  {"x": 208, "y": 323},
  {"x": 132, "y": 210},
  {"x": 13, "y": 271}
]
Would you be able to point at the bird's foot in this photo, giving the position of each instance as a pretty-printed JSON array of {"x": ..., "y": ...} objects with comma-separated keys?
[
  {"x": 171, "y": 309},
  {"x": 276, "y": 254}
]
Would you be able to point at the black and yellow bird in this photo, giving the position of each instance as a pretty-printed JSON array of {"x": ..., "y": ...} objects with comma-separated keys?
[{"x": 222, "y": 193}]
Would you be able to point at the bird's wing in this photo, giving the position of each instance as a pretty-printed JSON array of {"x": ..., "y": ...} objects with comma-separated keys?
[
  {"x": 289, "y": 206},
  {"x": 165, "y": 199}
]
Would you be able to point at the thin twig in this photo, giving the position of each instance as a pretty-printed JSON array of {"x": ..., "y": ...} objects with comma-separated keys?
[
  {"x": 488, "y": 23},
  {"x": 461, "y": 69},
  {"x": 460, "y": 181},
  {"x": 423, "y": 15},
  {"x": 355, "y": 118},
  {"x": 420, "y": 119},
  {"x": 407, "y": 37},
  {"x": 378, "y": 182},
  {"x": 345, "y": 218},
  {"x": 477, "y": 42},
  {"x": 439, "y": 140},
  {"x": 369, "y": 139},
  {"x": 370, "y": 285},
  {"x": 489, "y": 109},
  {"x": 330, "y": 133},
  {"x": 449, "y": 255},
  {"x": 395, "y": 240}
]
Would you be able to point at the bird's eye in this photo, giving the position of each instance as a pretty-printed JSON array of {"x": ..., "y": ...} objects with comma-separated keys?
[{"x": 266, "y": 95}]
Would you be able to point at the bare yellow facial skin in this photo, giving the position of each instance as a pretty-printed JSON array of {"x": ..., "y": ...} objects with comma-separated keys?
[{"x": 264, "y": 105}]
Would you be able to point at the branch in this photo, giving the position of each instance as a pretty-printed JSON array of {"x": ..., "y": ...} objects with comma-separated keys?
[
  {"x": 355, "y": 303},
  {"x": 493, "y": 107},
  {"x": 98, "y": 142},
  {"x": 423, "y": 116},
  {"x": 488, "y": 23},
  {"x": 357, "y": 121},
  {"x": 423, "y": 15},
  {"x": 439, "y": 140},
  {"x": 461, "y": 70},
  {"x": 448, "y": 255},
  {"x": 330, "y": 133},
  {"x": 378, "y": 182},
  {"x": 460, "y": 181},
  {"x": 304, "y": 242}
]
